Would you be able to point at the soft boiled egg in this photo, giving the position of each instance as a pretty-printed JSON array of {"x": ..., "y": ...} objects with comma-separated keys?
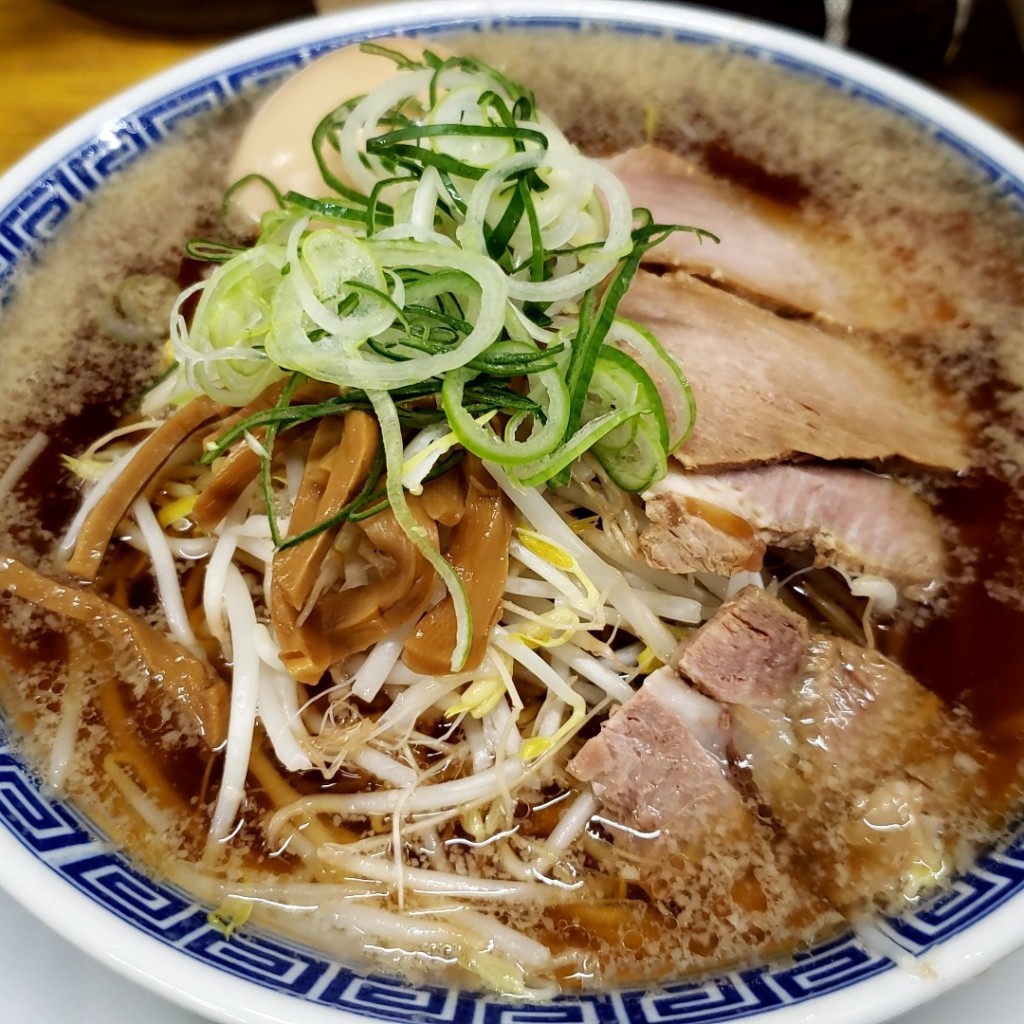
[{"x": 277, "y": 143}]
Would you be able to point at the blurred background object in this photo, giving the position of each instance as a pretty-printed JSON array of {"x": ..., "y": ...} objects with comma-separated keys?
[
  {"x": 1017, "y": 10},
  {"x": 986, "y": 74},
  {"x": 917, "y": 35},
  {"x": 191, "y": 16}
]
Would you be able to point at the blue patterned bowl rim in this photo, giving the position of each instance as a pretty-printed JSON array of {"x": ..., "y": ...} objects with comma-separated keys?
[{"x": 56, "y": 862}]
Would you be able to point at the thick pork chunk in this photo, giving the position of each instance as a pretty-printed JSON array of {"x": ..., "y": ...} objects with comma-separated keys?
[
  {"x": 770, "y": 389},
  {"x": 767, "y": 250},
  {"x": 854, "y": 520},
  {"x": 659, "y": 761},
  {"x": 751, "y": 653}
]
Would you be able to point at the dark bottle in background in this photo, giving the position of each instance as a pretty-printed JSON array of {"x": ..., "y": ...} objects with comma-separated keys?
[{"x": 195, "y": 16}]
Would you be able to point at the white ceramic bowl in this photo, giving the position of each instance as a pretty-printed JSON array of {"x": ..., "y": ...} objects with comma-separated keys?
[{"x": 57, "y": 864}]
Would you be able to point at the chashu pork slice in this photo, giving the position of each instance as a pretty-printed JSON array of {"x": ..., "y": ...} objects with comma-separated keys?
[
  {"x": 867, "y": 772},
  {"x": 769, "y": 389},
  {"x": 762, "y": 249},
  {"x": 660, "y": 772},
  {"x": 766, "y": 249},
  {"x": 857, "y": 521}
]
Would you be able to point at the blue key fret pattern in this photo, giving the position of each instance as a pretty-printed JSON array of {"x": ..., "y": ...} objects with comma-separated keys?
[{"x": 64, "y": 841}]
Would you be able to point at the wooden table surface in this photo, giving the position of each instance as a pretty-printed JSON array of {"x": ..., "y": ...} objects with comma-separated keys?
[{"x": 56, "y": 63}]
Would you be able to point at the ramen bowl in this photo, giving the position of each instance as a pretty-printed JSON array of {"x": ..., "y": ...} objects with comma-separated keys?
[{"x": 65, "y": 869}]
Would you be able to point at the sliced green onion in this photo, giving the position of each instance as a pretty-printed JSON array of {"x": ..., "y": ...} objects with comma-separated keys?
[
  {"x": 677, "y": 401},
  {"x": 241, "y": 183},
  {"x": 330, "y": 210},
  {"x": 635, "y": 457},
  {"x": 341, "y": 357},
  {"x": 267, "y": 457},
  {"x": 207, "y": 250},
  {"x": 547, "y": 430},
  {"x": 222, "y": 354},
  {"x": 540, "y": 472}
]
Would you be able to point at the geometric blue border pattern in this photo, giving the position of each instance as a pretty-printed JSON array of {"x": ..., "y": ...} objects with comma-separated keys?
[
  {"x": 66, "y": 843},
  {"x": 70, "y": 846}
]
